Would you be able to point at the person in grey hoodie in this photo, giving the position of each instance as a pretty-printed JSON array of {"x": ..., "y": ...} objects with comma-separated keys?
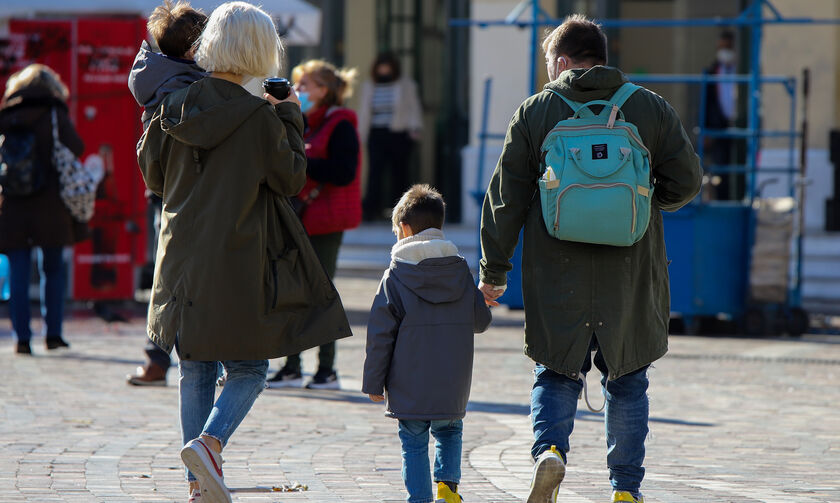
[
  {"x": 154, "y": 75},
  {"x": 420, "y": 343}
]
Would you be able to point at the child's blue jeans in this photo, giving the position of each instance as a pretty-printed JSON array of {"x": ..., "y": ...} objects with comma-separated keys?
[{"x": 414, "y": 435}]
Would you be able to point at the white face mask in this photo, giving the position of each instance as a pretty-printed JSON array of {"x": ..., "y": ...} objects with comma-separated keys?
[{"x": 726, "y": 56}]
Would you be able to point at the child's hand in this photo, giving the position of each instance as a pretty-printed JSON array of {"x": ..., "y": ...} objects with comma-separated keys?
[{"x": 376, "y": 398}]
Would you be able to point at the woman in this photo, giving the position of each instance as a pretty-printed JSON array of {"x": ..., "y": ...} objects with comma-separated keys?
[
  {"x": 390, "y": 121},
  {"x": 330, "y": 202},
  {"x": 236, "y": 281},
  {"x": 39, "y": 220}
]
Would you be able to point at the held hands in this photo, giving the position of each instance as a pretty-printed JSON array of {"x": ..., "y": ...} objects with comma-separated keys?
[
  {"x": 491, "y": 292},
  {"x": 377, "y": 398},
  {"x": 291, "y": 98}
]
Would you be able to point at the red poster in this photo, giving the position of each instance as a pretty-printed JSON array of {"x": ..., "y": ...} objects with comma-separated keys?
[{"x": 93, "y": 57}]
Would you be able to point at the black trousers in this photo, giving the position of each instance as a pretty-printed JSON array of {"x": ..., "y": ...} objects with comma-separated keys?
[{"x": 389, "y": 153}]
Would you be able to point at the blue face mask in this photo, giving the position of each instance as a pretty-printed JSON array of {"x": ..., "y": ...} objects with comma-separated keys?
[{"x": 305, "y": 103}]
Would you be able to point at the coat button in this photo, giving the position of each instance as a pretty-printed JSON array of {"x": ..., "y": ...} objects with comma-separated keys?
[
  {"x": 174, "y": 298},
  {"x": 587, "y": 323},
  {"x": 189, "y": 303},
  {"x": 600, "y": 323}
]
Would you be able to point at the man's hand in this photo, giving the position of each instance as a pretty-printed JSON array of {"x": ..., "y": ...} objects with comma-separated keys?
[
  {"x": 377, "y": 398},
  {"x": 291, "y": 98},
  {"x": 491, "y": 292}
]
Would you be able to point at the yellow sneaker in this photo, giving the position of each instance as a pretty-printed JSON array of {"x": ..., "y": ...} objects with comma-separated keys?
[
  {"x": 626, "y": 497},
  {"x": 548, "y": 473},
  {"x": 446, "y": 495}
]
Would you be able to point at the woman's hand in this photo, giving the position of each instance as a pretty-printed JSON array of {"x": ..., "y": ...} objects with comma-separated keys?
[
  {"x": 291, "y": 98},
  {"x": 376, "y": 398}
]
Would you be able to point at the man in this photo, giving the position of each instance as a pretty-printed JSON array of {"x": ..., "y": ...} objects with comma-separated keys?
[
  {"x": 583, "y": 297},
  {"x": 721, "y": 100}
]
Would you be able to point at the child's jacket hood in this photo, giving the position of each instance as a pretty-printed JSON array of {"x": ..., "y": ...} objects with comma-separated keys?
[
  {"x": 153, "y": 76},
  {"x": 429, "y": 265}
]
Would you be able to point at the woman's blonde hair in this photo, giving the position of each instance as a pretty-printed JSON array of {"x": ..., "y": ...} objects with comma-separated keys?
[
  {"x": 37, "y": 75},
  {"x": 241, "y": 39},
  {"x": 339, "y": 82}
]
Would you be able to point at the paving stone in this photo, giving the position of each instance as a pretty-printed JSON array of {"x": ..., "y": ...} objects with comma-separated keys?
[{"x": 732, "y": 420}]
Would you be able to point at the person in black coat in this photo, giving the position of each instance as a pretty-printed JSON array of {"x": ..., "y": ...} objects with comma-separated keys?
[{"x": 39, "y": 220}]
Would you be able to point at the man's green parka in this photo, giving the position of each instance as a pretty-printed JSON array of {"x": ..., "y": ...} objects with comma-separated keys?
[
  {"x": 235, "y": 276},
  {"x": 574, "y": 290}
]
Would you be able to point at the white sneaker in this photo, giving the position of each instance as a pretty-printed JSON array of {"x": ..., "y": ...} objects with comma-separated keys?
[
  {"x": 548, "y": 473},
  {"x": 206, "y": 465},
  {"x": 195, "y": 496}
]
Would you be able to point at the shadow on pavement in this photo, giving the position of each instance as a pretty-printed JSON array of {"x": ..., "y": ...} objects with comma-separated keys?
[{"x": 584, "y": 415}]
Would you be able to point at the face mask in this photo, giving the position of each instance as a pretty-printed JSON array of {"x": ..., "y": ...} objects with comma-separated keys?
[
  {"x": 305, "y": 103},
  {"x": 384, "y": 77},
  {"x": 726, "y": 56}
]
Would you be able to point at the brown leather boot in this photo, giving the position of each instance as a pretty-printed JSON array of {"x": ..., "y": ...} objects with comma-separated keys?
[{"x": 150, "y": 375}]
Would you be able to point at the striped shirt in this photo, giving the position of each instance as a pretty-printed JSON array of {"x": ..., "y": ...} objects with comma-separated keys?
[{"x": 384, "y": 97}]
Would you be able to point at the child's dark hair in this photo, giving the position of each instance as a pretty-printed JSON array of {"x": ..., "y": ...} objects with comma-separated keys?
[
  {"x": 175, "y": 28},
  {"x": 421, "y": 208}
]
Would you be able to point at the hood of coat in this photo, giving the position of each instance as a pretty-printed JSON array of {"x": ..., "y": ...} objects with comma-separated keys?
[
  {"x": 26, "y": 107},
  {"x": 204, "y": 114},
  {"x": 587, "y": 84},
  {"x": 429, "y": 266},
  {"x": 152, "y": 71}
]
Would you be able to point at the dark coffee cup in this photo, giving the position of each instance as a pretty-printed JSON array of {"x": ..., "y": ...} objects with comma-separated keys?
[{"x": 277, "y": 87}]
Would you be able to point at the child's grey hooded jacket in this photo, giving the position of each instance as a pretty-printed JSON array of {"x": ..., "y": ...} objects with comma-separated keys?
[
  {"x": 153, "y": 76},
  {"x": 420, "y": 331}
]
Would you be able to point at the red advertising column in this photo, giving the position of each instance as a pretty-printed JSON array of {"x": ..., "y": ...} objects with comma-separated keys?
[
  {"x": 93, "y": 57},
  {"x": 108, "y": 120}
]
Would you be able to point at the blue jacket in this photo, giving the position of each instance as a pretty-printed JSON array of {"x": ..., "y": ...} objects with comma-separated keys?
[{"x": 420, "y": 331}]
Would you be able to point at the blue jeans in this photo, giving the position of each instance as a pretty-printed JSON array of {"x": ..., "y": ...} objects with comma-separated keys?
[
  {"x": 414, "y": 435},
  {"x": 554, "y": 404},
  {"x": 197, "y": 387},
  {"x": 53, "y": 285}
]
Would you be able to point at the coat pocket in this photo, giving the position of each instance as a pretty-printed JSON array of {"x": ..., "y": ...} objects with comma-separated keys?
[{"x": 286, "y": 285}]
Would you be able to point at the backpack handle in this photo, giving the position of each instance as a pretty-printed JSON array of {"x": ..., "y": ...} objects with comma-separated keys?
[{"x": 606, "y": 112}]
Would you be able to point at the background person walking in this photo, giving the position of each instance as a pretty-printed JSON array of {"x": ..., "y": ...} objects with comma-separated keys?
[
  {"x": 237, "y": 280},
  {"x": 38, "y": 219}
]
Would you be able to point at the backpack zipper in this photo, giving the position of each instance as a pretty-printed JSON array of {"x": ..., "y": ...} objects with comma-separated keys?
[
  {"x": 597, "y": 186},
  {"x": 600, "y": 126}
]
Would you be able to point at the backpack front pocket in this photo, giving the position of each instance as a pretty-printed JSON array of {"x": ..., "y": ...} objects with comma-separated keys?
[{"x": 598, "y": 213}]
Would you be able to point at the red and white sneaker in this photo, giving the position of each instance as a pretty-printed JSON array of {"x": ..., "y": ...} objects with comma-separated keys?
[
  {"x": 195, "y": 496},
  {"x": 206, "y": 465}
]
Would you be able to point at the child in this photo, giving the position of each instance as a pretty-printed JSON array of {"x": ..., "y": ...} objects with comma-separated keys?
[
  {"x": 420, "y": 344},
  {"x": 174, "y": 30}
]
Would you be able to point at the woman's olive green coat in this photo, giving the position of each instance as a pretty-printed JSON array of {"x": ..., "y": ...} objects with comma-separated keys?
[
  {"x": 574, "y": 290},
  {"x": 235, "y": 275}
]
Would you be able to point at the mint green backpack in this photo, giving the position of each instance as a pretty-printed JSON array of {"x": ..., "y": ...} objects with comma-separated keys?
[{"x": 595, "y": 184}]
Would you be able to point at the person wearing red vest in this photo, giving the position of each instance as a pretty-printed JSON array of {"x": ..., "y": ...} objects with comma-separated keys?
[{"x": 331, "y": 198}]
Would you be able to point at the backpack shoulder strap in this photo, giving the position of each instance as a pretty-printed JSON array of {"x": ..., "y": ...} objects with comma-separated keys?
[
  {"x": 624, "y": 92},
  {"x": 574, "y": 105}
]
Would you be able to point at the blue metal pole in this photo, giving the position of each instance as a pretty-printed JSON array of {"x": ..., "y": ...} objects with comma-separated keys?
[
  {"x": 755, "y": 14},
  {"x": 482, "y": 140},
  {"x": 791, "y": 89},
  {"x": 701, "y": 122}
]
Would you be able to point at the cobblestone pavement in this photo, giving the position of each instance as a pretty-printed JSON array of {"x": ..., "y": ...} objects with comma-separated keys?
[{"x": 733, "y": 420}]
